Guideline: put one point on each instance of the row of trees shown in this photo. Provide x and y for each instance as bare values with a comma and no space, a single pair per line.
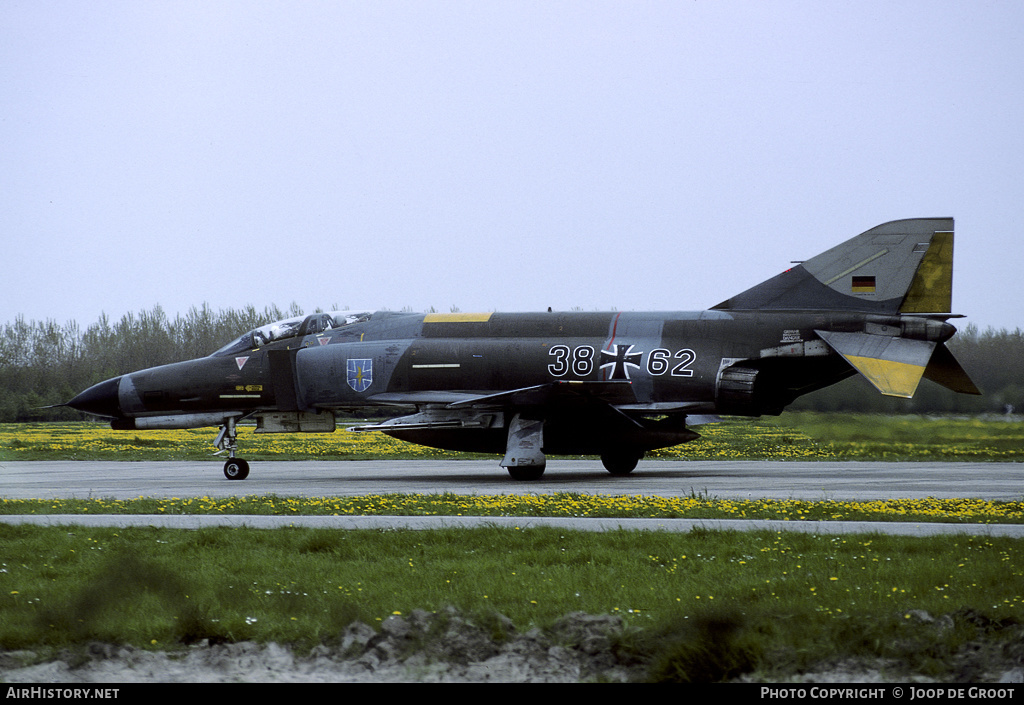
45,363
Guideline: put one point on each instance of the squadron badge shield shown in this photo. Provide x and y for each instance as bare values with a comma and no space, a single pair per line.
360,374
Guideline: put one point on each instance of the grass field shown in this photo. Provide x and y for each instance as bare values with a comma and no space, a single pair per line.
790,600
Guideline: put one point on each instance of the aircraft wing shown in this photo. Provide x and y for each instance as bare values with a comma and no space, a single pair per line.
615,392
468,410
423,397
563,392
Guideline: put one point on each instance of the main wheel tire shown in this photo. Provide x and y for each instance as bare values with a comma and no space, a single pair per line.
526,472
236,469
621,463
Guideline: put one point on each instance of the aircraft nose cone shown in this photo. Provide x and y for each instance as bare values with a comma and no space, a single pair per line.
99,399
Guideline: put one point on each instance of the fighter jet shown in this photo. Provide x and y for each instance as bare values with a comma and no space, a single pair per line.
615,384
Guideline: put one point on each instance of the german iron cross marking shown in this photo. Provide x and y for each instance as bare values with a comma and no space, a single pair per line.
620,360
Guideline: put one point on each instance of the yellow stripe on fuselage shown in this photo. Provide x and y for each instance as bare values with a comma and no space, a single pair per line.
457,317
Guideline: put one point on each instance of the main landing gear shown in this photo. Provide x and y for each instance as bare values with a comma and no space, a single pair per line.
618,463
525,460
621,462
234,468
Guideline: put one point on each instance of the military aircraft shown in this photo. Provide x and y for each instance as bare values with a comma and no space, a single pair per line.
615,384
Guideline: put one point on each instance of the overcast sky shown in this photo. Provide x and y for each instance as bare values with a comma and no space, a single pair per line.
495,155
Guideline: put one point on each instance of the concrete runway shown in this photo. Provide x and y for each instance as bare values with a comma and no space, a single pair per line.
716,479
737,480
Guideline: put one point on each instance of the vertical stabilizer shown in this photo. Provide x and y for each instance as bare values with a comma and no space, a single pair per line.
904,266
902,270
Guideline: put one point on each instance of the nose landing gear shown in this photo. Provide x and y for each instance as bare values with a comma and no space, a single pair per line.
234,468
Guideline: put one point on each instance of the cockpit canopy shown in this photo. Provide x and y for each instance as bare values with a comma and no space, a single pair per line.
293,328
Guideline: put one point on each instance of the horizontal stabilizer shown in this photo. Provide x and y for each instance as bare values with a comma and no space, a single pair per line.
945,370
893,365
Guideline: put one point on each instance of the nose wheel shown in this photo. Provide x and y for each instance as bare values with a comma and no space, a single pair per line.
234,468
